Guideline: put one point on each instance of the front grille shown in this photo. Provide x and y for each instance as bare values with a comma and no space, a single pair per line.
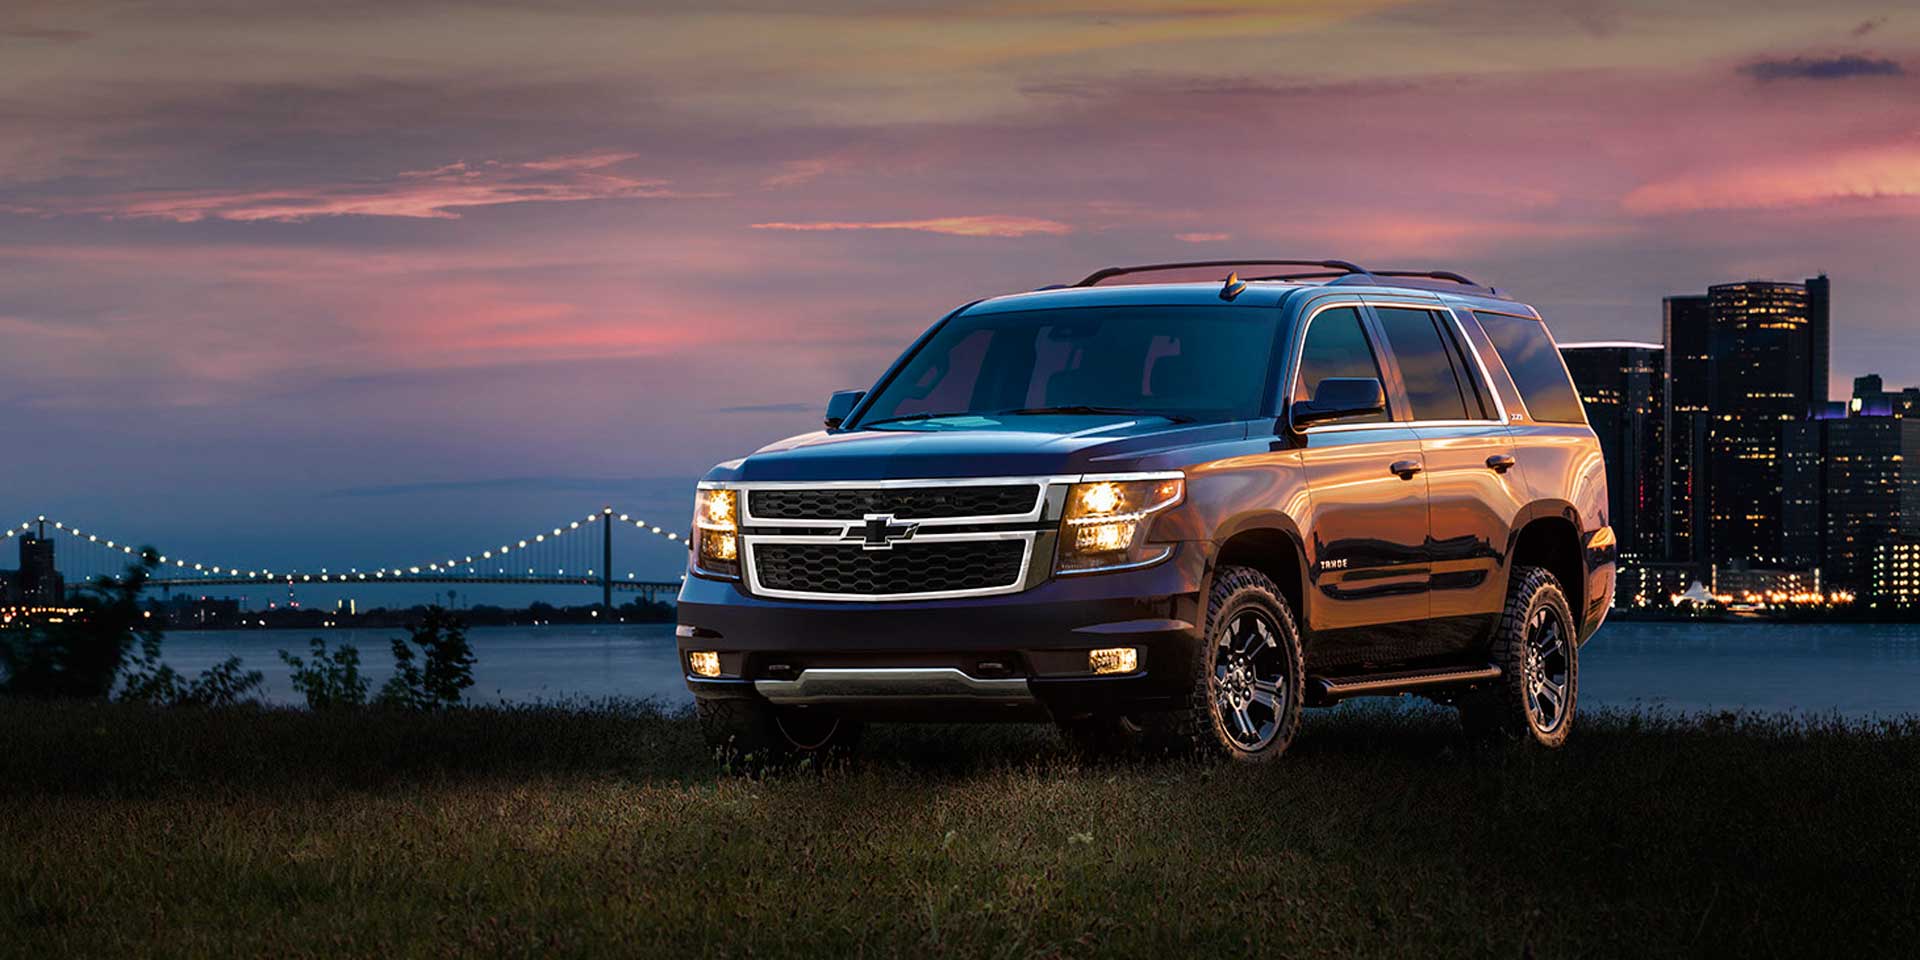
832,568
905,503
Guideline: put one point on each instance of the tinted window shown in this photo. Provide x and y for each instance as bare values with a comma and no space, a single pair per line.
1336,346
1527,350
1187,362
1479,402
1426,370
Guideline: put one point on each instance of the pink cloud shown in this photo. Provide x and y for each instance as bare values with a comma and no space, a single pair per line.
972,226
437,194
797,172
1202,237
1866,174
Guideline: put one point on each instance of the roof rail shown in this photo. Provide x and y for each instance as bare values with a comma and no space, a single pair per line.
1109,273
1339,271
1446,275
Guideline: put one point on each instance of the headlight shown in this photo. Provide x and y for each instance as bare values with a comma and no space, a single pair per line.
1106,522
716,532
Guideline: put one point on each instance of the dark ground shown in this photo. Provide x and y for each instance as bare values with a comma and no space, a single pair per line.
604,829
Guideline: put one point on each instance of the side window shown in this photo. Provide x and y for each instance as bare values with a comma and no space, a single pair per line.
1527,350
1426,366
1477,392
1336,346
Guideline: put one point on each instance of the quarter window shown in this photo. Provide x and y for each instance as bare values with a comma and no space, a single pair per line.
1528,352
1336,346
1426,366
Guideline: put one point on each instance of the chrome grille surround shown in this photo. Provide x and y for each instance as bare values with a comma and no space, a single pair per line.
1036,526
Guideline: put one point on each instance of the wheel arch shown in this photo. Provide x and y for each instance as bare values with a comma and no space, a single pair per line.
1547,534
1271,544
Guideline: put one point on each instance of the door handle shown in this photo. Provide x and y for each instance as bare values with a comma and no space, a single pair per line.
1405,468
1500,463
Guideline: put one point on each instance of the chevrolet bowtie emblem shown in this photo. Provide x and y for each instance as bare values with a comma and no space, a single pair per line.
878,531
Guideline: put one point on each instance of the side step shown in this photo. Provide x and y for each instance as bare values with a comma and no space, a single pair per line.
1324,690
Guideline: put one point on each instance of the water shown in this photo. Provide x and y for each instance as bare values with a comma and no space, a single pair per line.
1857,670
513,664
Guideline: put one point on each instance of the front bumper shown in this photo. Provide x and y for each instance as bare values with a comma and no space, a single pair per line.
1012,656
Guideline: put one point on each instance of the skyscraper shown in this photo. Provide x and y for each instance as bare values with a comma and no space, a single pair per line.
1622,384
1853,485
1871,398
1686,327
1768,360
38,583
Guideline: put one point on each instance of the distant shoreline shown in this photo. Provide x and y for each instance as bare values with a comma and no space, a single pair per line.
1871,616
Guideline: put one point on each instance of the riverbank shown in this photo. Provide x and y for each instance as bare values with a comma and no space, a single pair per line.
604,830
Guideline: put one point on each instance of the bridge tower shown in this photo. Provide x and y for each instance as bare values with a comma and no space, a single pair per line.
606,558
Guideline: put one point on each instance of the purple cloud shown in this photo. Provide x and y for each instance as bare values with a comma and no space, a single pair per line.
1839,67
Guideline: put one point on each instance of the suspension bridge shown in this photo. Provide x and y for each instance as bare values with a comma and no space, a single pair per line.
576,553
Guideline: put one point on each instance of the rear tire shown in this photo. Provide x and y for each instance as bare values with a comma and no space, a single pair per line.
754,733
1537,649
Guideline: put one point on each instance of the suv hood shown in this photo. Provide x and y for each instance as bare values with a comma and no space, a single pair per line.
1024,446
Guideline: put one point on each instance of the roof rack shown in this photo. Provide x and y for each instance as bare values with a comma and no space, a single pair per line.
1109,273
1338,271
1448,276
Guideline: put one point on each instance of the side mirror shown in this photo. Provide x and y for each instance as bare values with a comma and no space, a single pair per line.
840,404
1336,398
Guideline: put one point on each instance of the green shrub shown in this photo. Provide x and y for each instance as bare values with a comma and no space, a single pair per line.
332,679
81,655
110,642
221,685
447,668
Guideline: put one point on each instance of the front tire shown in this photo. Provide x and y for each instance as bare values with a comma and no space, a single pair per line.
1249,675
1537,650
1246,684
756,733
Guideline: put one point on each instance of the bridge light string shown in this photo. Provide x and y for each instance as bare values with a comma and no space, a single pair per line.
556,558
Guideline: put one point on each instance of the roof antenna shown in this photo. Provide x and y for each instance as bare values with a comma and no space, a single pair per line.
1234,286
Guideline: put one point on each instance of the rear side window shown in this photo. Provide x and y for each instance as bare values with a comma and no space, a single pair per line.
1536,367
1426,364
1336,346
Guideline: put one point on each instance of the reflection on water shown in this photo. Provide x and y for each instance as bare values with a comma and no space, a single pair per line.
1857,669
1854,669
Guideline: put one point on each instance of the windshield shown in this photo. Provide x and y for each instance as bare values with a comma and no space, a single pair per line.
1181,363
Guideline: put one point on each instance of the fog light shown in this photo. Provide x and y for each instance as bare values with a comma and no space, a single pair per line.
704,663
1113,660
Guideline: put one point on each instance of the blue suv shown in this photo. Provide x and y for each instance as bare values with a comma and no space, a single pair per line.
1167,514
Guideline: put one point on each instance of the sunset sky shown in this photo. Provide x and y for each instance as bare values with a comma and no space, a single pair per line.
313,282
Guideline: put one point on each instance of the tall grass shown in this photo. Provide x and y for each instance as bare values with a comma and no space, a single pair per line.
596,829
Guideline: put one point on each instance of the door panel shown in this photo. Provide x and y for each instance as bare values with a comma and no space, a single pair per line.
1471,509
1366,530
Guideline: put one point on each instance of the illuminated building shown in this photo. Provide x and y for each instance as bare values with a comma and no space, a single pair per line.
37,583
1896,572
1621,384
1872,399
1744,583
1645,585
1686,327
1769,348
1852,484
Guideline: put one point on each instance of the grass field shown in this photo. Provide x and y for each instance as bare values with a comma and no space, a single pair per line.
604,830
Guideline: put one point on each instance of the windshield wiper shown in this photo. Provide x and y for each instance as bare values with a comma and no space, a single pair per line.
1082,408
918,416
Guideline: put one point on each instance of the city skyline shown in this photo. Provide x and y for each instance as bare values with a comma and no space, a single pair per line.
424,272
1725,459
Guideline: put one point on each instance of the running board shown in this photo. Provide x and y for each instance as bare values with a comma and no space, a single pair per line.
1334,689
